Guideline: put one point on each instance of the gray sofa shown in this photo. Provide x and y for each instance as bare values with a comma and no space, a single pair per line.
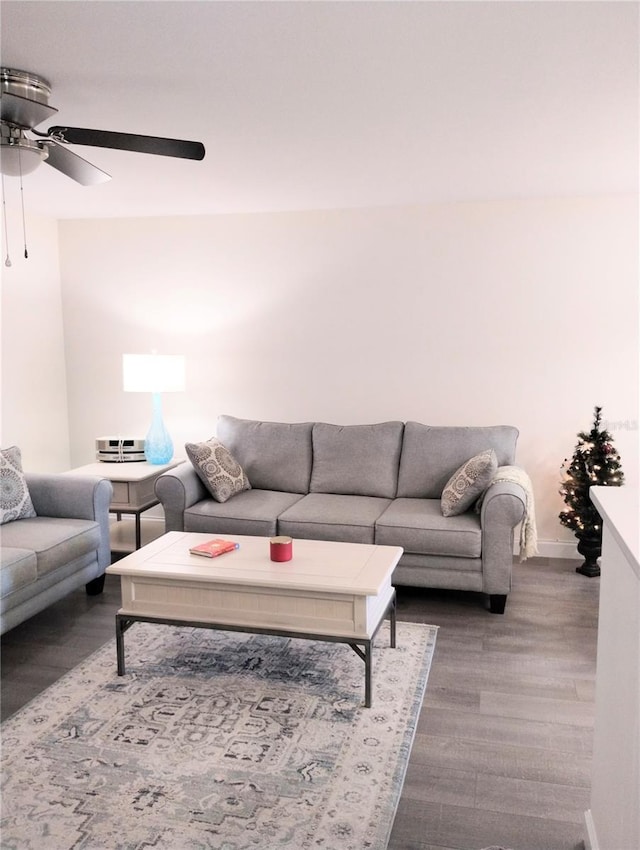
365,484
65,546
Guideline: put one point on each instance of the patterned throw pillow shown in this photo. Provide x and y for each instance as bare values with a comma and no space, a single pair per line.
15,501
219,471
468,483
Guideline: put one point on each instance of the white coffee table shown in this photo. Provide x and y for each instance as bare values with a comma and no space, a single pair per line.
339,592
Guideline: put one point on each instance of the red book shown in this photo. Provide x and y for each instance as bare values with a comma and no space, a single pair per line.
213,548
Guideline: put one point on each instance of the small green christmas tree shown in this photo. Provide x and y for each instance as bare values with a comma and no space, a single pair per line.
595,462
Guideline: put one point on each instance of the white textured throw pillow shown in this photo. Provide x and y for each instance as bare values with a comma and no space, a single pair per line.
468,483
15,501
219,471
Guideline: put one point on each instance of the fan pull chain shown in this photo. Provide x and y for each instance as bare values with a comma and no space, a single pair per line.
24,225
7,262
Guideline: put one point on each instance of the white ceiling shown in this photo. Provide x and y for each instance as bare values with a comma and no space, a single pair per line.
318,105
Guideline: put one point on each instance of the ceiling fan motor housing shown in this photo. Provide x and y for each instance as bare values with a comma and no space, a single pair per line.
24,84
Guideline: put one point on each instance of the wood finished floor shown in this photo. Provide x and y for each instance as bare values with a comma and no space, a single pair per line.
502,752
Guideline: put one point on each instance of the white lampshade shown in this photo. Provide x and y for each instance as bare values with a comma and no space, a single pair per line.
153,373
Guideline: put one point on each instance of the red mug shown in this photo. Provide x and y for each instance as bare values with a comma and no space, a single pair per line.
281,548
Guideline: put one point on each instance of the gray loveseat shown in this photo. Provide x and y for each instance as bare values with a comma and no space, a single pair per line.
364,484
65,546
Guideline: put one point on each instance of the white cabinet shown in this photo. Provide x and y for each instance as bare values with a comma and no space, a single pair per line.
613,821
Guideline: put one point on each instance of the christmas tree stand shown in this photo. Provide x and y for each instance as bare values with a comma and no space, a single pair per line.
590,548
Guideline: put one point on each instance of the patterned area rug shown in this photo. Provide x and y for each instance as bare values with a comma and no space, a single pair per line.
216,740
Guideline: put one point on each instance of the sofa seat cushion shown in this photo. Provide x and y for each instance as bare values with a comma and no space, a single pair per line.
359,460
274,455
18,569
326,516
253,512
55,541
419,527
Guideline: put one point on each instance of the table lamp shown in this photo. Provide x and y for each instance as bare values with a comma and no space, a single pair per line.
155,374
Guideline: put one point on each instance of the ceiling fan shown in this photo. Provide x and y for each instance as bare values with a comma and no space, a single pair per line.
24,104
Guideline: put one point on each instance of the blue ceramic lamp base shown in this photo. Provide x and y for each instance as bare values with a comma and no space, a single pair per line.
158,446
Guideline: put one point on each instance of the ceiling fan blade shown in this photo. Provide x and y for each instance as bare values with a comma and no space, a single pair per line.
128,142
23,111
75,166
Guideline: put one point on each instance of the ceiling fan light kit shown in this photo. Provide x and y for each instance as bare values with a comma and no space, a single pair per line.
19,155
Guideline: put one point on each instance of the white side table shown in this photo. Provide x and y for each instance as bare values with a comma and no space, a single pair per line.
133,492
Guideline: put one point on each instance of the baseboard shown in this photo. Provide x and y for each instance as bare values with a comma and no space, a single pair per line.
591,842
553,549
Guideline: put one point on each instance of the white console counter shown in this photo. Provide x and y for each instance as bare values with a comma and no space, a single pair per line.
613,821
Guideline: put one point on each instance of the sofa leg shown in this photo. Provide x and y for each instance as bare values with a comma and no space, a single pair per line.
95,586
497,601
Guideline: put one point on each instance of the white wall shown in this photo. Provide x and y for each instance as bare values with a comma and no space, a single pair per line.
521,312
34,393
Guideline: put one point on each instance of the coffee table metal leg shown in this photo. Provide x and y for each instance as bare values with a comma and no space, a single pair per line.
122,624
368,651
138,531
119,645
392,622
365,652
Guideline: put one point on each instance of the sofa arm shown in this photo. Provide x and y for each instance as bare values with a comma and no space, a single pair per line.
74,497
69,496
178,489
503,507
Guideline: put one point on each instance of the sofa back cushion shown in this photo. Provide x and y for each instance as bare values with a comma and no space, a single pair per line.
274,455
359,460
431,454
